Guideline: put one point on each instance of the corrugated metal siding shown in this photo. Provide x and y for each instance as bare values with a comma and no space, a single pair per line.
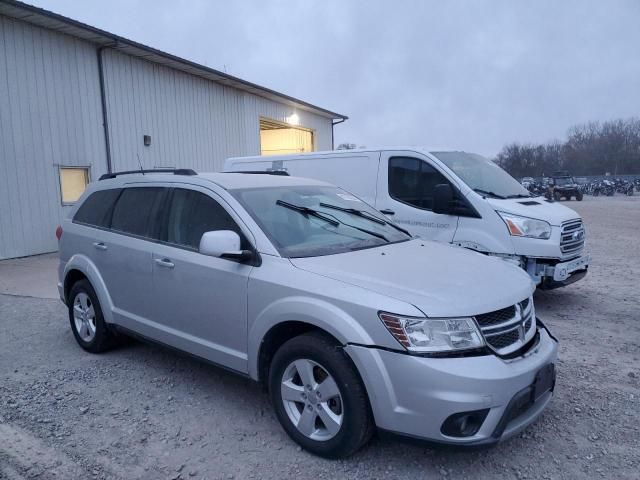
193,122
49,116
256,107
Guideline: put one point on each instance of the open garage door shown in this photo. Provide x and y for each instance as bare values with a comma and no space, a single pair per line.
277,138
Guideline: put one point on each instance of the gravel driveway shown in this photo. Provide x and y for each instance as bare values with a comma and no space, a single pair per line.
145,412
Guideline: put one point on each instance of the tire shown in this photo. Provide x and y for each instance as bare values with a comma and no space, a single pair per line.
579,196
87,321
556,196
316,355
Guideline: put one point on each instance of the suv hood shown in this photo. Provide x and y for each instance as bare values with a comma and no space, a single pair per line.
439,279
553,212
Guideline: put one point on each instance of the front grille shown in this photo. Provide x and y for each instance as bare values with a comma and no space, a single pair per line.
572,237
508,329
499,316
504,339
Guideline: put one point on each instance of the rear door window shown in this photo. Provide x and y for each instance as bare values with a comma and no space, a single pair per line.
138,211
193,213
97,208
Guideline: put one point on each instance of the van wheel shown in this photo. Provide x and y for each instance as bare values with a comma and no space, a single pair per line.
319,397
87,322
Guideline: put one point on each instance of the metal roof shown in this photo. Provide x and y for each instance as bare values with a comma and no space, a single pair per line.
53,21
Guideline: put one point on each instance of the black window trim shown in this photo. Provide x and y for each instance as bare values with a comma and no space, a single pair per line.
163,220
470,209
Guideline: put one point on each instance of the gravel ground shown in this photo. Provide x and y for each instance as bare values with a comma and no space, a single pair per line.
145,412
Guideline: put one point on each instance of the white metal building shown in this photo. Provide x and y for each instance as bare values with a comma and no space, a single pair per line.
76,102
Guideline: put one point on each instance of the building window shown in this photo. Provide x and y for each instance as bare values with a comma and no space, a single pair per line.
73,181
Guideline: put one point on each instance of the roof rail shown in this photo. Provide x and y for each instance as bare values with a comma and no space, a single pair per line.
282,173
175,171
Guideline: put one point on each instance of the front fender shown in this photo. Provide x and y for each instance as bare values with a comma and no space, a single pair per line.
312,311
83,264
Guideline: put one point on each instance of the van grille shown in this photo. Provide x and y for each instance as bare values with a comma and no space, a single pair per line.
572,237
508,329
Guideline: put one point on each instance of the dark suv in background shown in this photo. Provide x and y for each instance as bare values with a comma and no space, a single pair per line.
563,186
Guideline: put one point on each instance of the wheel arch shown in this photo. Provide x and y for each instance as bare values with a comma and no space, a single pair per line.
290,317
81,267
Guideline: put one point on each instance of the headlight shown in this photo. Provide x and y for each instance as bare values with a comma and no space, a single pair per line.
526,227
433,335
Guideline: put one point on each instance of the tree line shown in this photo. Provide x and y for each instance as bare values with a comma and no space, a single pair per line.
593,148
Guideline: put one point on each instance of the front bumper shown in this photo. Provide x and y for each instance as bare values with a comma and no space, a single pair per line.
556,274
413,395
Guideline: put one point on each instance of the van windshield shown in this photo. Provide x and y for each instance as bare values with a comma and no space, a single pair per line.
482,175
310,221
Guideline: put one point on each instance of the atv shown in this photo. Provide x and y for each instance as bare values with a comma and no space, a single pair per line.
564,186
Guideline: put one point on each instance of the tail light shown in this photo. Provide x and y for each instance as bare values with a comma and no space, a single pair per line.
59,232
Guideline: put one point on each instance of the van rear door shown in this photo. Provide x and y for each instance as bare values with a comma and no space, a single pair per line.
406,181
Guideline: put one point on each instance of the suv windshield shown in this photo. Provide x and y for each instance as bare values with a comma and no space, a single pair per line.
310,221
561,181
482,175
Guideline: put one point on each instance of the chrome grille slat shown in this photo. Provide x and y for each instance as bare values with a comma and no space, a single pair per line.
569,244
503,329
501,332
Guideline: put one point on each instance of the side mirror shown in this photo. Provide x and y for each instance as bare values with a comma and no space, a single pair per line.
442,198
223,244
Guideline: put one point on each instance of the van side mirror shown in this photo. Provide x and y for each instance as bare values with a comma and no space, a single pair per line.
223,244
442,198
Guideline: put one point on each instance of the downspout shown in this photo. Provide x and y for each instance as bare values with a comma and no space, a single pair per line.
333,124
103,100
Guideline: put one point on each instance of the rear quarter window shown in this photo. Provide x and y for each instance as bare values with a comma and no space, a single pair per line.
97,208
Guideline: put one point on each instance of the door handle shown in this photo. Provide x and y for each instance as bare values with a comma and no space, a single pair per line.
164,262
99,246
386,211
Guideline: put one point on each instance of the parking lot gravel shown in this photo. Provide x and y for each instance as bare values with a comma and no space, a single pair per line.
142,411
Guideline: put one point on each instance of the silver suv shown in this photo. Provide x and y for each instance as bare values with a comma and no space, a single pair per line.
350,322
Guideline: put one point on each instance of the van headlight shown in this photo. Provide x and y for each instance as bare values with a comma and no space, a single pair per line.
431,335
526,227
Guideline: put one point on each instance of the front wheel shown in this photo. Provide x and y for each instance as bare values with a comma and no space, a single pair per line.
556,196
579,196
319,397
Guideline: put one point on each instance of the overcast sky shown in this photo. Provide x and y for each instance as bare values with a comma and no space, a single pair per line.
468,75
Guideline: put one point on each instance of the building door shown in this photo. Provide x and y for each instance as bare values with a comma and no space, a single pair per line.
277,138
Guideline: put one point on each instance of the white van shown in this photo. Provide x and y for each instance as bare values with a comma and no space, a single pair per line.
455,197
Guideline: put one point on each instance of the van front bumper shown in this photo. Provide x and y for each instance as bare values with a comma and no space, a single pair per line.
549,274
414,395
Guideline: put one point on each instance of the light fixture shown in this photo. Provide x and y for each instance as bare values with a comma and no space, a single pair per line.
293,119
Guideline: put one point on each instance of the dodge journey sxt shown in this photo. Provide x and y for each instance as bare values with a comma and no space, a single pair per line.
350,322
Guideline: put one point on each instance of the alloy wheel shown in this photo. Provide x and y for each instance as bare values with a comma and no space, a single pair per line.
312,399
84,317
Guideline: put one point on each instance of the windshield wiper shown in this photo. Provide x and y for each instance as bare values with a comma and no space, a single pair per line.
370,232
518,195
331,221
363,214
355,211
307,211
485,192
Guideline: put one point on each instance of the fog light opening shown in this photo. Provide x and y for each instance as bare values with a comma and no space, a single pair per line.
464,424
